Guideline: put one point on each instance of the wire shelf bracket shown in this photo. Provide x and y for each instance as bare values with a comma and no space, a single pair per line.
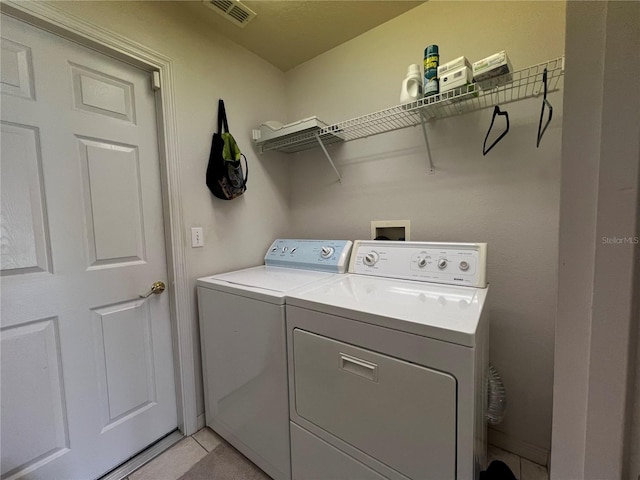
432,170
324,149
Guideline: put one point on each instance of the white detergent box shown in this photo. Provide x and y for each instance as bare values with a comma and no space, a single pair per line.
492,66
453,65
455,78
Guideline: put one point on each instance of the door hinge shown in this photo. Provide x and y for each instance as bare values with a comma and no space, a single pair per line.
155,80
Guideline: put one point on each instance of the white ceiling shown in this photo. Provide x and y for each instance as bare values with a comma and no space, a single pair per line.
287,33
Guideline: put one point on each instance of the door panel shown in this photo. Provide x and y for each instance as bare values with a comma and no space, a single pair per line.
31,362
25,245
112,201
17,73
87,365
100,93
124,357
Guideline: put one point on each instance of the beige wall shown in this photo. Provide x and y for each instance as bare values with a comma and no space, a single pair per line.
208,67
508,198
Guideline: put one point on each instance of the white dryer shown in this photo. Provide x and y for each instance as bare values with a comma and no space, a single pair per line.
243,343
387,365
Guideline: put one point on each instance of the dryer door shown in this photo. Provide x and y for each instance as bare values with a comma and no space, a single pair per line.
402,414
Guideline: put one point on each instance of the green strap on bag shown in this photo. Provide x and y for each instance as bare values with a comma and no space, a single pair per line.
230,151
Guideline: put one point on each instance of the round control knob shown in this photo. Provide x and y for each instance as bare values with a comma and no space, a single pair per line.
422,262
326,252
284,249
464,266
370,259
442,263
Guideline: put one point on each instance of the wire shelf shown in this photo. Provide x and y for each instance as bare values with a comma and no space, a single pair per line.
519,85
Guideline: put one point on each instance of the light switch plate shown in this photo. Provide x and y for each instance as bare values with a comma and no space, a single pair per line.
197,237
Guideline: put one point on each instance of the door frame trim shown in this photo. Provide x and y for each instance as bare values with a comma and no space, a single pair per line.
50,18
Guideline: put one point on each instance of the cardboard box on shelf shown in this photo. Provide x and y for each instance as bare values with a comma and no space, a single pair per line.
455,79
454,64
492,66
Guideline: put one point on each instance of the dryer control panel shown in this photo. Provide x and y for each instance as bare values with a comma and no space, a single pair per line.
449,263
320,255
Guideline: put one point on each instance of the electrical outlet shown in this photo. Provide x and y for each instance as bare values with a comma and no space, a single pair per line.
197,237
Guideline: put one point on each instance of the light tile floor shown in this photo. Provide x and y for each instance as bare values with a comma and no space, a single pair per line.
176,461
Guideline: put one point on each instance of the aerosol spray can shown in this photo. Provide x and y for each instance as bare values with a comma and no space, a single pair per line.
431,61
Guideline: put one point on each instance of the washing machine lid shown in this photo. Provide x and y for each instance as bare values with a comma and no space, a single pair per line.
263,282
445,312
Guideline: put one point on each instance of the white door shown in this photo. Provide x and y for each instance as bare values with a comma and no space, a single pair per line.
87,366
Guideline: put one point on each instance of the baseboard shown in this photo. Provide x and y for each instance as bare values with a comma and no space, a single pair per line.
526,450
200,421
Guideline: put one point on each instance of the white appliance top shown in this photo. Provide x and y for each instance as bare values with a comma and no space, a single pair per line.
450,263
391,289
322,255
274,280
290,264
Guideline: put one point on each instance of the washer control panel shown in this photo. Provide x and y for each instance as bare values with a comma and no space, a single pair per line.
322,255
450,263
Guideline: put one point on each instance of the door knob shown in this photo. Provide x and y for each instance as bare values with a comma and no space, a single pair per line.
157,288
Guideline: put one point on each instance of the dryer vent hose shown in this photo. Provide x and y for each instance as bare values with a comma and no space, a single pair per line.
497,397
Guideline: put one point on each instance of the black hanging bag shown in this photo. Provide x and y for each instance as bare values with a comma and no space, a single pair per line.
225,176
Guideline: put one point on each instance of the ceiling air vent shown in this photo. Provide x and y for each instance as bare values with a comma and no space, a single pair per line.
232,10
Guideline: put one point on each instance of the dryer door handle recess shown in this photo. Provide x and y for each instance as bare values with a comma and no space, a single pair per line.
359,367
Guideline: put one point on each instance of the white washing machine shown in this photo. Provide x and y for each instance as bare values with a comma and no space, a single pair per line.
243,339
387,365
